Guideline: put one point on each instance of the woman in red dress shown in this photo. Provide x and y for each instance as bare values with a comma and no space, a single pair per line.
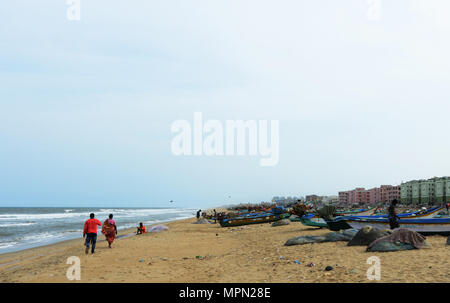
109,229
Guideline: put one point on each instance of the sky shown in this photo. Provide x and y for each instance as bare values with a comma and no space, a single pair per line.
86,107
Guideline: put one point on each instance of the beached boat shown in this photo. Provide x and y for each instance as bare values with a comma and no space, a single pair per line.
340,223
316,221
255,218
310,220
423,226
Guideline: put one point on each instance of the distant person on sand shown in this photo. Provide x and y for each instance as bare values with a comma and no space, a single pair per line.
90,232
215,216
109,229
392,216
140,229
198,214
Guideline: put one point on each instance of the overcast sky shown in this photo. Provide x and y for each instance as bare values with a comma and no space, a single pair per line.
86,107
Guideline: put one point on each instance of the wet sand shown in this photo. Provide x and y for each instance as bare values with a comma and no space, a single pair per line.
252,253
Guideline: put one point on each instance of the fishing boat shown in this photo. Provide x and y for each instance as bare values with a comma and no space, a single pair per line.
316,221
343,222
423,226
275,214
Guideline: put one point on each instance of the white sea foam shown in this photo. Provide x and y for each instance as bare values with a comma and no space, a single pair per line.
16,224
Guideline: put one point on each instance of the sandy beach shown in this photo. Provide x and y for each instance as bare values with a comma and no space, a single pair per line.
252,253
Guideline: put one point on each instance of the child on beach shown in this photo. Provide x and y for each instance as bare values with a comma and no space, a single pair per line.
140,229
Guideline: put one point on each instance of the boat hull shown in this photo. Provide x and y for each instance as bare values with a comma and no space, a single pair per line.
314,221
423,226
340,222
252,220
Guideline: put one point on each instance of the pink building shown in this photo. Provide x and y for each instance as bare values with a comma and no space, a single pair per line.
383,194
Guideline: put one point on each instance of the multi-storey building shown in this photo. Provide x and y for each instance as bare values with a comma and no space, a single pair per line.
383,194
431,191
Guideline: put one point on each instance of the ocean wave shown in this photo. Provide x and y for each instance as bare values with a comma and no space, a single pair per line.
4,245
17,224
41,216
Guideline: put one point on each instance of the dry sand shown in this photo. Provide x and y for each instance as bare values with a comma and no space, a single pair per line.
239,254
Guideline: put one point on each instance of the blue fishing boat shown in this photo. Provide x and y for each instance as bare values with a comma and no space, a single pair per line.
423,226
339,223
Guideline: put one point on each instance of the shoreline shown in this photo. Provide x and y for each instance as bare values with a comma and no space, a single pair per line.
204,253
121,235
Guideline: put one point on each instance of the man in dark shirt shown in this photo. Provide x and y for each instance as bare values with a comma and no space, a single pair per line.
392,216
198,214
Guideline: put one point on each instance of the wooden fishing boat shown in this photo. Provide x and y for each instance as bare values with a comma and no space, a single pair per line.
343,222
316,221
255,219
310,220
423,226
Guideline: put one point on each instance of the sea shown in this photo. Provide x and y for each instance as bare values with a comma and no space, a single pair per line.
27,227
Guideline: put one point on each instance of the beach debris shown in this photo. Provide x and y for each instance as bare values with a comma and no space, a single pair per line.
141,260
328,268
281,258
366,235
298,262
448,240
157,228
400,239
164,259
281,222
311,264
353,271
338,236
198,257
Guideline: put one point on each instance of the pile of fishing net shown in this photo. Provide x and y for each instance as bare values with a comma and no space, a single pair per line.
157,228
202,221
345,235
281,222
327,212
400,239
367,235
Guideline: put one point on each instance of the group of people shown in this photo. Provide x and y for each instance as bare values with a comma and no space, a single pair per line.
109,229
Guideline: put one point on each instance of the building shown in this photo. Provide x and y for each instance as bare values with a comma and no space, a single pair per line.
312,198
361,196
432,191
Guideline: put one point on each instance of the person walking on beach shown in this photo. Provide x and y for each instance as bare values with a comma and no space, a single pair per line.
215,216
392,216
90,232
109,229
198,214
